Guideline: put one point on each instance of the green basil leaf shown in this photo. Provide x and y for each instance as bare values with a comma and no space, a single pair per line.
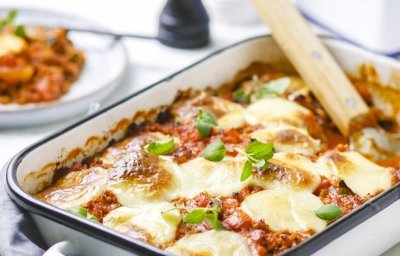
12,15
161,147
262,94
203,128
170,217
241,96
208,117
279,85
80,211
9,19
20,31
273,88
215,151
259,150
195,217
204,122
92,217
212,218
329,212
247,171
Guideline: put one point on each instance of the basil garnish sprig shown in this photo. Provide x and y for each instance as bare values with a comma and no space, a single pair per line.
329,212
80,211
272,88
162,147
204,122
10,20
261,90
241,95
200,214
257,154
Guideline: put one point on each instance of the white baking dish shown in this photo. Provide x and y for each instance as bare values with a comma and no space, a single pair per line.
352,235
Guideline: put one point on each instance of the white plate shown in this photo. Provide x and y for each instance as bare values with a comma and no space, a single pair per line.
105,66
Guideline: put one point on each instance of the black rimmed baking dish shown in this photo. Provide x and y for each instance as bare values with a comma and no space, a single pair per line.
369,230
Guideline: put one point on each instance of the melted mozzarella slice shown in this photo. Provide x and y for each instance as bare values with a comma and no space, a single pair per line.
76,188
228,114
362,176
130,145
216,178
291,171
138,177
216,243
285,209
146,222
144,178
376,144
234,114
274,111
297,87
288,139
232,120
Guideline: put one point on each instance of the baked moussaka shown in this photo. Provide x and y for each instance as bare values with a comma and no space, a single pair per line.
252,168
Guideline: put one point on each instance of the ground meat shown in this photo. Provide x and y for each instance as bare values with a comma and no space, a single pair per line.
102,205
264,241
342,197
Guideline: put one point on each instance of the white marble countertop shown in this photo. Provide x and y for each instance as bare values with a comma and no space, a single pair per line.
149,61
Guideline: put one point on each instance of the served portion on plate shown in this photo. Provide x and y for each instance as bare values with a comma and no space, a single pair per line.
252,168
49,73
37,64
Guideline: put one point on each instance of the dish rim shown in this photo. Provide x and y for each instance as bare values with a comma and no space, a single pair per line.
105,234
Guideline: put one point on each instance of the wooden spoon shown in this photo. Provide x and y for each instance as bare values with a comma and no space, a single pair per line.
328,82
315,64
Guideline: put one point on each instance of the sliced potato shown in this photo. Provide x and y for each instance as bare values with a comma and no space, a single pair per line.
10,43
19,74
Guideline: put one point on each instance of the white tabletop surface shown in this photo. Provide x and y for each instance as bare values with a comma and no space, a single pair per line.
149,61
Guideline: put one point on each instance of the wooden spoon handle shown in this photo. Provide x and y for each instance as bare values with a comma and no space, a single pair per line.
313,62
